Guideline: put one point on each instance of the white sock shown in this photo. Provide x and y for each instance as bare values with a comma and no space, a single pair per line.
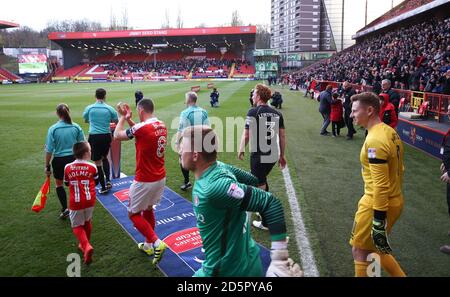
279,245
157,243
147,246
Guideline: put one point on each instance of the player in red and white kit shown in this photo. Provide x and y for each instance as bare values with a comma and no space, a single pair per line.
147,189
81,178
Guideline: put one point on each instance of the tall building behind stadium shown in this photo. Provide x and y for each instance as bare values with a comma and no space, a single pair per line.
313,29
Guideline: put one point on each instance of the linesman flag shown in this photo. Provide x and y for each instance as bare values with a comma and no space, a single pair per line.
41,197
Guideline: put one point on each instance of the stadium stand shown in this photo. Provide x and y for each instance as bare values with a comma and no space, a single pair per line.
172,54
206,65
413,57
8,75
74,71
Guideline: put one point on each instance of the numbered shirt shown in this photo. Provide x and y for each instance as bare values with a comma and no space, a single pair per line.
80,176
151,141
382,166
264,124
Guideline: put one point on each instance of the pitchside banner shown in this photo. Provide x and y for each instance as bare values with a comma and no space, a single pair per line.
426,139
175,225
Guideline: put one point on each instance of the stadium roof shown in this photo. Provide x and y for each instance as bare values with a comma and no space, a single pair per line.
145,39
7,25
152,33
405,10
401,8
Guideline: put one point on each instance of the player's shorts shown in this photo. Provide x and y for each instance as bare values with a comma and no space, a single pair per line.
100,145
79,217
58,165
143,195
259,169
362,227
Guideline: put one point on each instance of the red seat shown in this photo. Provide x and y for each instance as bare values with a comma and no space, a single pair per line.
401,105
424,107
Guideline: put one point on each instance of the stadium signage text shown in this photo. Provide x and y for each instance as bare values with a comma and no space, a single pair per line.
184,240
149,33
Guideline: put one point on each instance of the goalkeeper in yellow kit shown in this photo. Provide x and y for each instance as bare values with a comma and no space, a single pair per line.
382,171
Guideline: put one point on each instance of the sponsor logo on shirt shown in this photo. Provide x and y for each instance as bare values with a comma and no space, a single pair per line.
372,153
196,200
235,191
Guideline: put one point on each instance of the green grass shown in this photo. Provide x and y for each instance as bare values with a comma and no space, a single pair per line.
40,242
325,172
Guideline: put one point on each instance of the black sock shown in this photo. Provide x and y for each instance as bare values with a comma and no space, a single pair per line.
101,176
106,169
61,193
185,174
263,221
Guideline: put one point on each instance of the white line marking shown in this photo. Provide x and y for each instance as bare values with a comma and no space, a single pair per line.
301,235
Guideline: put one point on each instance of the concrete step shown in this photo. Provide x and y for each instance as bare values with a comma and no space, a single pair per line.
411,115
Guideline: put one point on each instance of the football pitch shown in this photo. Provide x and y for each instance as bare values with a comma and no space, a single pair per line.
325,172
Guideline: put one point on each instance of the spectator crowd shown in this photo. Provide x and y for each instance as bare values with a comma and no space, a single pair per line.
414,58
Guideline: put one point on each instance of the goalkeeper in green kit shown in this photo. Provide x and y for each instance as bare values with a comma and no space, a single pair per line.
221,197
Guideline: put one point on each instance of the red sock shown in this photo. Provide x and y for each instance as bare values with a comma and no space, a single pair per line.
144,228
88,229
81,236
149,216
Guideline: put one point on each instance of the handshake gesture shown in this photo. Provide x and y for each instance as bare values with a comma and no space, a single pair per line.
282,266
124,110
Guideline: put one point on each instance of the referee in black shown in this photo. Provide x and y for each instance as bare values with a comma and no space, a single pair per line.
264,128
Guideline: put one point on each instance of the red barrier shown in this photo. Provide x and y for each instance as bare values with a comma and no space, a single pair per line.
437,105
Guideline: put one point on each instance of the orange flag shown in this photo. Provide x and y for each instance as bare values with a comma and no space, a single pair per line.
41,197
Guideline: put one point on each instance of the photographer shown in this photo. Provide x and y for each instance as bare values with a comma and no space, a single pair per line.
214,98
277,100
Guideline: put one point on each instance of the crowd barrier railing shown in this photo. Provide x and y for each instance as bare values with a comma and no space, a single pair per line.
436,104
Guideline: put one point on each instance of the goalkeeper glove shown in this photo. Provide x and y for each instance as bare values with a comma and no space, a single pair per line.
282,266
379,234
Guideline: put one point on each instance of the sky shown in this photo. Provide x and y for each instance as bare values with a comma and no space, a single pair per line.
142,14
151,14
